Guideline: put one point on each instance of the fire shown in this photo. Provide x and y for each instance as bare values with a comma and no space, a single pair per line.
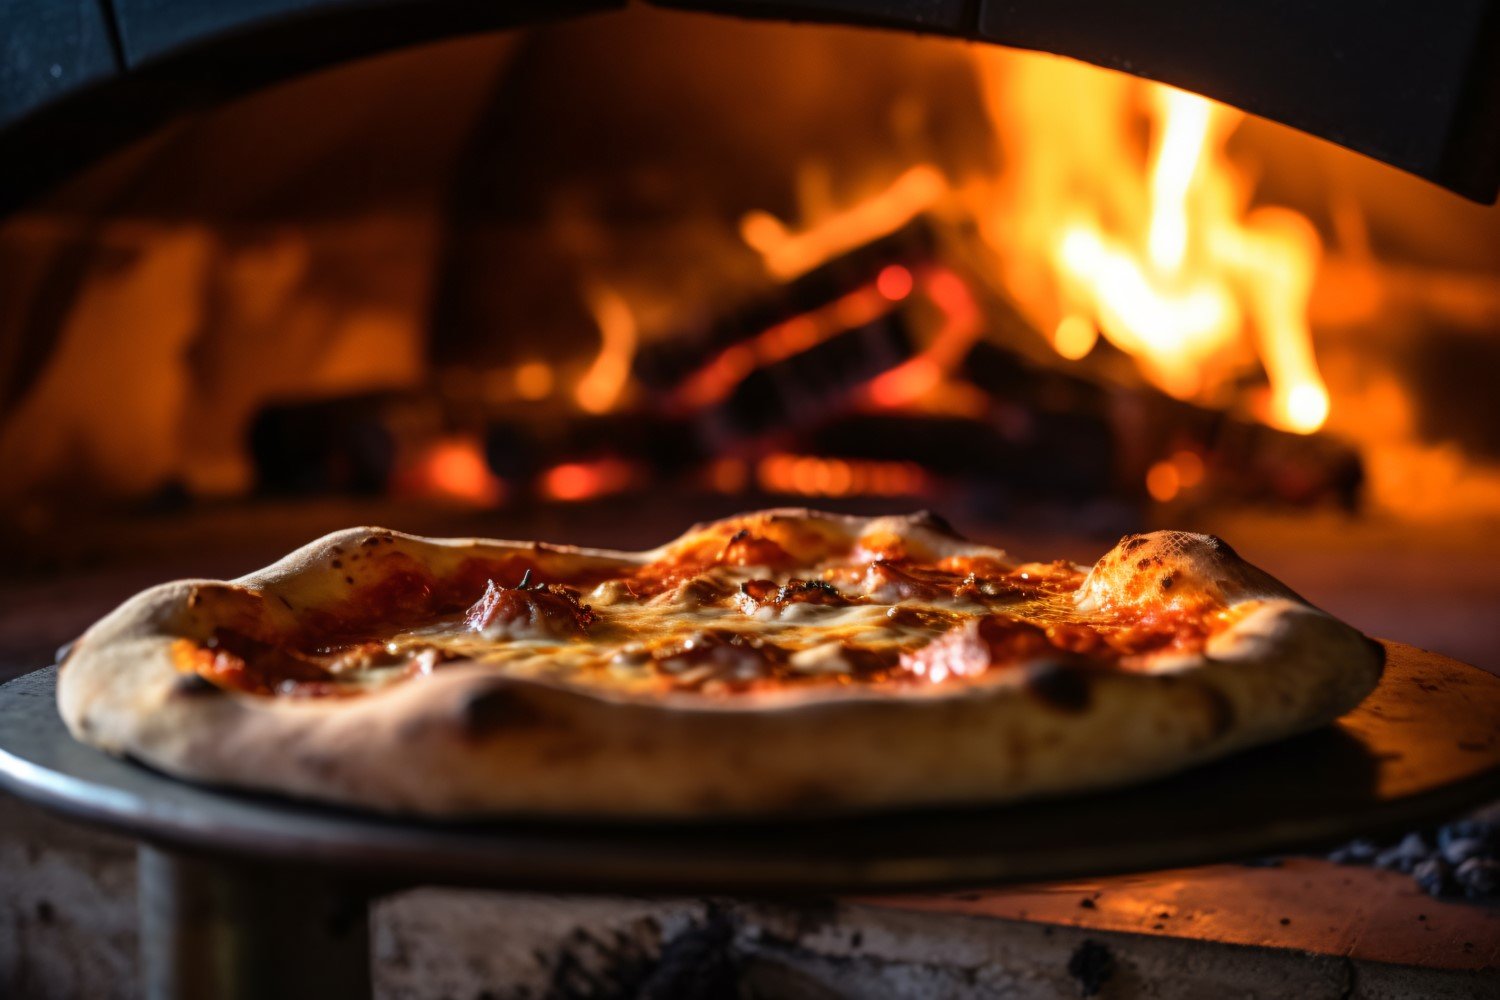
1173,476
602,384
717,379
810,475
585,480
1158,254
909,382
451,469
533,380
788,254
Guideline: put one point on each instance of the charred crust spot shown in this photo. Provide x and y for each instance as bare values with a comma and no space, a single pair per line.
1167,581
284,601
349,580
1062,686
337,564
389,540
193,686
497,709
367,542
194,598
337,550
1143,564
1132,542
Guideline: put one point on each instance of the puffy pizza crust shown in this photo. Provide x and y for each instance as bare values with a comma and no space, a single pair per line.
465,742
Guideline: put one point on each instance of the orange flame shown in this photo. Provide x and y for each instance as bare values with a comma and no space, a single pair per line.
602,384
1162,258
788,254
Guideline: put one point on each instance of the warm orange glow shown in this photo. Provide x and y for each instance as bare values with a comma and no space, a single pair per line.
715,380
1170,478
916,378
1159,255
585,480
1163,482
894,282
788,254
533,380
809,475
601,385
451,469
1075,337
1189,466
728,475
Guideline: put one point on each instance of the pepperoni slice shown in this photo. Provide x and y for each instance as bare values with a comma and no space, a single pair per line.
529,611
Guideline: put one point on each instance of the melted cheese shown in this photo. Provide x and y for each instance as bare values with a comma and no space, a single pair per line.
730,609
709,634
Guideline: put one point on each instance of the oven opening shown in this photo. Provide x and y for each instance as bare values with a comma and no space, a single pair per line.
656,254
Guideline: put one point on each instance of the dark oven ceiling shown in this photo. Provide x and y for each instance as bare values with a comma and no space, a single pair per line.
1410,83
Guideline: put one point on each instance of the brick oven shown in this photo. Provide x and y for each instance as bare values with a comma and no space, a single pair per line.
589,271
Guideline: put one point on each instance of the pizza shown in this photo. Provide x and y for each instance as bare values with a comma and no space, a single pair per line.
778,662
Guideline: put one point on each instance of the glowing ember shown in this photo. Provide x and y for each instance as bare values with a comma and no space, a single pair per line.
894,282
715,380
586,480
1171,477
911,381
451,469
533,380
809,475
1163,482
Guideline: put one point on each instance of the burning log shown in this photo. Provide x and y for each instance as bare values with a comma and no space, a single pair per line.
1170,449
1039,455
667,362
809,386
520,450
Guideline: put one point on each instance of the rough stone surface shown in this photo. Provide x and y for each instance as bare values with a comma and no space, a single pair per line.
67,909
67,929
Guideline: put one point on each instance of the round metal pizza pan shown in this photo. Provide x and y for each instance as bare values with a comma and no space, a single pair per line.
1424,746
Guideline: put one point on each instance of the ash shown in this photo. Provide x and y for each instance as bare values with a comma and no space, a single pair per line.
1459,860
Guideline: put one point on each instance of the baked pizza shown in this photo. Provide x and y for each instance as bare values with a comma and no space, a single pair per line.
776,662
